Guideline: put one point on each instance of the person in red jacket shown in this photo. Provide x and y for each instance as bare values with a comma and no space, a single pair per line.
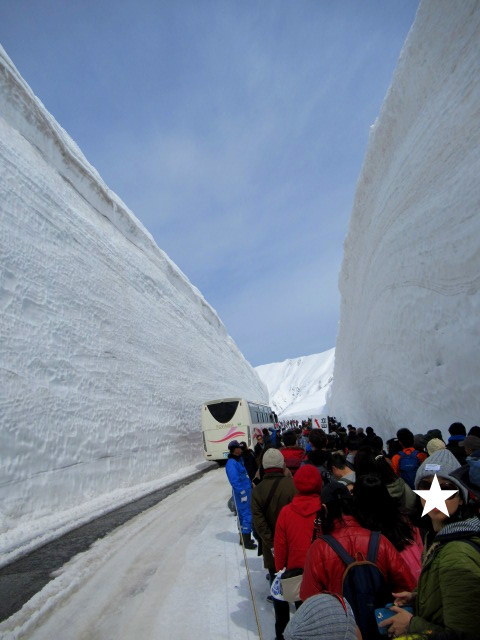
293,454
294,527
323,569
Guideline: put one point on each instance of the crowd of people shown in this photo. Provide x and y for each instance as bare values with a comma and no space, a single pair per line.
338,521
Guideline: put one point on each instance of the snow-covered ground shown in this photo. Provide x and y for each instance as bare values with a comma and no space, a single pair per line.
408,348
175,571
298,387
106,349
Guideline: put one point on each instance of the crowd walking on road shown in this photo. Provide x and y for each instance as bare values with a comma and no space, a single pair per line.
363,539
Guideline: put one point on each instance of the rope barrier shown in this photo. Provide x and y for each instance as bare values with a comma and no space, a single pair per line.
249,578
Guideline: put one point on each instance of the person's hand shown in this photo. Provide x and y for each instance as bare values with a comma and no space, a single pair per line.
398,624
403,598
271,549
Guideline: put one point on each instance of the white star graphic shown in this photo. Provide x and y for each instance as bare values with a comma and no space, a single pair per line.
435,497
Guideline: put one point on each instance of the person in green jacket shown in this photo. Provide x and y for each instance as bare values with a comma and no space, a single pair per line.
268,498
448,592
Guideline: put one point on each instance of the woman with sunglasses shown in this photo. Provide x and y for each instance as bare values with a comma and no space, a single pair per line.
448,592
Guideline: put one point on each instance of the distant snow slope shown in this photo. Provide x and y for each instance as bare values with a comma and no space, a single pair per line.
408,349
298,387
106,349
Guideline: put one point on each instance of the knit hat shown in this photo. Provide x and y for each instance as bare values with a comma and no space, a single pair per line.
308,479
272,458
435,444
322,617
442,463
233,445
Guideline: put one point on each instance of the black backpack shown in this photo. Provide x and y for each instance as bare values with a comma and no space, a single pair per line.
363,584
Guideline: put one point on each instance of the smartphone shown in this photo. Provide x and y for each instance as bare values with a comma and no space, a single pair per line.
384,613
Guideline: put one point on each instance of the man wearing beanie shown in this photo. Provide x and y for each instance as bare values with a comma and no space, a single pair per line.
268,498
323,617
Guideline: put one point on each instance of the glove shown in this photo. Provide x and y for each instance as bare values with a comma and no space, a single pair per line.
244,499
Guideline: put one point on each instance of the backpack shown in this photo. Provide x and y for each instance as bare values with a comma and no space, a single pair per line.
408,466
363,584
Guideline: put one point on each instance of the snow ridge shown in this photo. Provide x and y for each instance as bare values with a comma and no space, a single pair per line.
298,387
407,352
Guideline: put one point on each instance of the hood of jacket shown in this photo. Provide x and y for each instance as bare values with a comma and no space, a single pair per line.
397,488
308,480
306,505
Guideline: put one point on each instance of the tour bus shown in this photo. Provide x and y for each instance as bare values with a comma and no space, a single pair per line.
230,419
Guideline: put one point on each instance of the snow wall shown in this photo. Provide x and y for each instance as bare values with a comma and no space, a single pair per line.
408,348
106,349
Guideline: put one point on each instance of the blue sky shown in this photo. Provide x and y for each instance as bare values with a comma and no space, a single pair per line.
234,130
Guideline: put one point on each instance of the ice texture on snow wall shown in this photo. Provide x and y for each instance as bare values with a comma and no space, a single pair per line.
107,350
408,348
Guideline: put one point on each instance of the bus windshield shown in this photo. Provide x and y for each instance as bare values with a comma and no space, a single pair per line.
223,411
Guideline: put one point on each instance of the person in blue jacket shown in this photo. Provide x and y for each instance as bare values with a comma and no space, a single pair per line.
242,491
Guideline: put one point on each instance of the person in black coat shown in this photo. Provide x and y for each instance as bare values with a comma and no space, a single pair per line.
249,460
458,433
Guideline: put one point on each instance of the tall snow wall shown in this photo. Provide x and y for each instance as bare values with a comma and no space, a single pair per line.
408,348
106,349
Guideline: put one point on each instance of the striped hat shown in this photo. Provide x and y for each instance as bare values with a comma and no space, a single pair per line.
322,617
442,463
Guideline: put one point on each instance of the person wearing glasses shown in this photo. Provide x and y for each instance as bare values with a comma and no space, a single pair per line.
448,592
